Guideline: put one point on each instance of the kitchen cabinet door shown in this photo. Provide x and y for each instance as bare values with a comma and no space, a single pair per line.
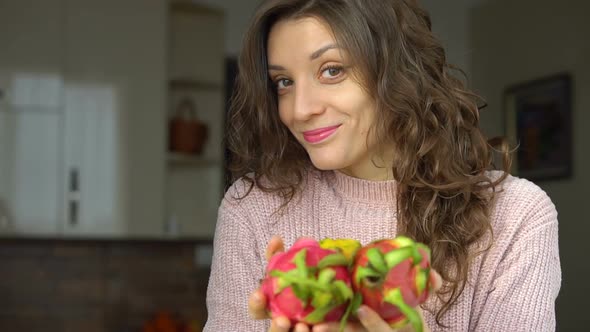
31,182
82,117
115,82
31,117
93,201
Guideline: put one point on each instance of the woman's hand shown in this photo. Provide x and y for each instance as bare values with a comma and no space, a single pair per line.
257,301
369,320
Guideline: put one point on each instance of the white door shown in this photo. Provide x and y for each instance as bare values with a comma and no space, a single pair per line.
114,117
91,161
31,89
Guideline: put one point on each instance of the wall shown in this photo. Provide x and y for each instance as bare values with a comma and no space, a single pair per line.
449,22
238,14
516,41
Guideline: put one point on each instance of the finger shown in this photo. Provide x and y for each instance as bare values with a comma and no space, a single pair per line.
435,280
335,327
371,320
257,305
301,327
274,246
280,324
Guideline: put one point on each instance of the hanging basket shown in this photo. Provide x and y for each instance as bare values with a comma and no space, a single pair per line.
188,134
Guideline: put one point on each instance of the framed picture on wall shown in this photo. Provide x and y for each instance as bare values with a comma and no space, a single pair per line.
538,119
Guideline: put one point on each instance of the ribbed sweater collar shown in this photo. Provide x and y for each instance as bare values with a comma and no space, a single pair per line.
363,190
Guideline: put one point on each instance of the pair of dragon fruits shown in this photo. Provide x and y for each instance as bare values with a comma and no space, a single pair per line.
325,281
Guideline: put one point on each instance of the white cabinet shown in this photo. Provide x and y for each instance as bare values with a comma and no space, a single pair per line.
115,101
31,117
82,117
30,171
87,88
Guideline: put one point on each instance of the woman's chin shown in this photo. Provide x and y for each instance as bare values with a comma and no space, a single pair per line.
326,164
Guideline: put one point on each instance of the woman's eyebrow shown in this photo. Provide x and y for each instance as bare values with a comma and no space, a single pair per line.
275,67
313,56
322,50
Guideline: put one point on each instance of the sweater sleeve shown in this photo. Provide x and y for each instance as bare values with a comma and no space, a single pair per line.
235,271
526,283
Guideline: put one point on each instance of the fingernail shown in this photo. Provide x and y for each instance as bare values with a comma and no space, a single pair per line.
283,324
320,328
361,313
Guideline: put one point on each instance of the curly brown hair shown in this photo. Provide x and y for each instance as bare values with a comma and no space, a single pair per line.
441,155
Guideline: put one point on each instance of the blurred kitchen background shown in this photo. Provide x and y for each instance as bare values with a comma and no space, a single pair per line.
112,156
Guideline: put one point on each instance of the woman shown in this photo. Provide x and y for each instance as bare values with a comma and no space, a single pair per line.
347,123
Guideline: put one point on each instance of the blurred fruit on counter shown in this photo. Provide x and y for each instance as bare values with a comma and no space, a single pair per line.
165,321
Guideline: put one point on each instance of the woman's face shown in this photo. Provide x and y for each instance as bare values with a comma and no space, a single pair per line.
320,101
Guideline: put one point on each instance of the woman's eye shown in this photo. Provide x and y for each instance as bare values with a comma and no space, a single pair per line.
331,72
283,83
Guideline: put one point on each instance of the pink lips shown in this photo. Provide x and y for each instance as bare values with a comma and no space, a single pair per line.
320,134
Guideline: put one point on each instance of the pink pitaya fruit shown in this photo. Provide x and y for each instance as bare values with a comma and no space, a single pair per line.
393,276
308,284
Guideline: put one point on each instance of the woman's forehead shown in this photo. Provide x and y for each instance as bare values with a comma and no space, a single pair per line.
306,38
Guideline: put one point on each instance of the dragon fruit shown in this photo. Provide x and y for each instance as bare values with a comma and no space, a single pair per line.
393,277
347,247
308,284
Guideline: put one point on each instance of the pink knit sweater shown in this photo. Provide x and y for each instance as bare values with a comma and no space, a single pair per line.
512,287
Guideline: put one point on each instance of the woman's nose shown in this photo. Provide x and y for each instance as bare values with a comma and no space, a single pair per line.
308,102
